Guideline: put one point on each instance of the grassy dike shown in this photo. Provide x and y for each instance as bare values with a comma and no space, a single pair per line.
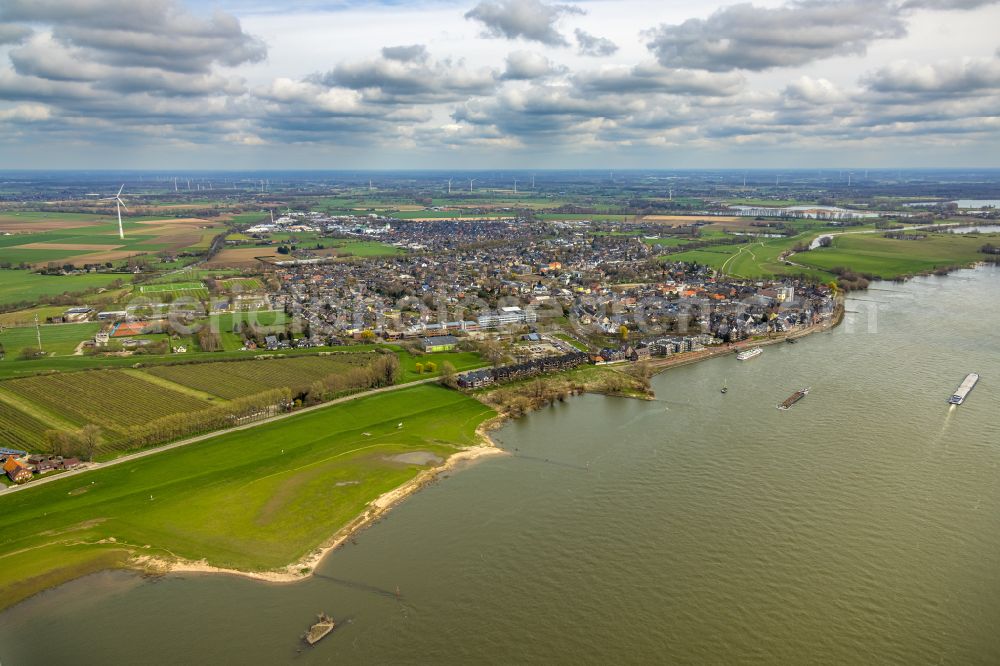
260,500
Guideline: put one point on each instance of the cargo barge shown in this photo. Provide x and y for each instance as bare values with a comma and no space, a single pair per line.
323,626
794,398
963,390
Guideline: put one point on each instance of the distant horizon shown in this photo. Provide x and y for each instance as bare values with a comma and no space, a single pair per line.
449,84
855,170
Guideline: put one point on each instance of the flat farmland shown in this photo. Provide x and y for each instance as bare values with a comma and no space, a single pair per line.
97,241
17,286
20,430
111,399
360,249
33,222
241,257
26,317
236,379
681,220
241,284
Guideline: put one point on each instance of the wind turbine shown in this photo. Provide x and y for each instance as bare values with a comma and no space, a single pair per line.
449,186
515,186
119,204
471,181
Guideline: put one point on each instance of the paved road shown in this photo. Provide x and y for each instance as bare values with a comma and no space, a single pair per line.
215,433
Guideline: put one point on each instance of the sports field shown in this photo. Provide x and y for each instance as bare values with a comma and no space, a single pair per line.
56,338
175,290
253,500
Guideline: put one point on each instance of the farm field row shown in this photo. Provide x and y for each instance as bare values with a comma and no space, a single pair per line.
111,399
253,500
20,430
98,240
235,379
119,396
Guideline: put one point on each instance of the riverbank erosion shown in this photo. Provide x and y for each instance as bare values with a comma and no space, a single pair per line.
268,502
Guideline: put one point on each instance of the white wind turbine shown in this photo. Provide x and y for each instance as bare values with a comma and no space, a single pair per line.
119,204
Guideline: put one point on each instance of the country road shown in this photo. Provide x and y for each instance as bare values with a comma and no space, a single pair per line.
215,433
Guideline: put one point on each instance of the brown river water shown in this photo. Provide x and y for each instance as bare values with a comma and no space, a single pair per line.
860,526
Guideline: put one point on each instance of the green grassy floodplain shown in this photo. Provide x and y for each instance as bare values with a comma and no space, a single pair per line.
252,500
890,258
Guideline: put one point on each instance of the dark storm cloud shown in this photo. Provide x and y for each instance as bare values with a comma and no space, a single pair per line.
528,19
592,45
747,37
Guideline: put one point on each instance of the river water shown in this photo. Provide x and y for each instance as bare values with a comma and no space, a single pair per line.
860,526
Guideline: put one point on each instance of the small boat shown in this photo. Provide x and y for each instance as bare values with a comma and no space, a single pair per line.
323,626
725,387
749,354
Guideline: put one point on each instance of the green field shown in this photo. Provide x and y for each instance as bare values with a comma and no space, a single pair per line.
755,259
25,286
241,285
889,258
579,346
235,379
50,364
72,217
56,338
253,500
461,361
27,316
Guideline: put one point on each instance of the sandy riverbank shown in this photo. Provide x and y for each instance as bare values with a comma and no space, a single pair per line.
377,508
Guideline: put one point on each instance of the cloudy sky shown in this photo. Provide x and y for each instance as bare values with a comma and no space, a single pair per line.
498,83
